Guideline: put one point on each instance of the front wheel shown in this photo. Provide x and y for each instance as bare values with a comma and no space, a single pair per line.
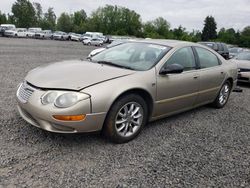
223,96
126,118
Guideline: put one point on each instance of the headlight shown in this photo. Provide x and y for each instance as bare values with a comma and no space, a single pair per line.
66,100
49,97
63,99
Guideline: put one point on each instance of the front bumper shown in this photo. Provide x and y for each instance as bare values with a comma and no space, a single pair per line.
41,116
244,77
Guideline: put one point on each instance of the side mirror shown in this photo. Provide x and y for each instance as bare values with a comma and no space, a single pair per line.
172,69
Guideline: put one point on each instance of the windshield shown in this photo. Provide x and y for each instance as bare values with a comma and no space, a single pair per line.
243,56
137,56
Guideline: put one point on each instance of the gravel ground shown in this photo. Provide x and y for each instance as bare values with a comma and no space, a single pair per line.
204,147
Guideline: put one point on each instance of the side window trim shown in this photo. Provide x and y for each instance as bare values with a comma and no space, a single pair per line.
198,59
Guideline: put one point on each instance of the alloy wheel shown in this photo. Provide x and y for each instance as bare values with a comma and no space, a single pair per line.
129,119
224,94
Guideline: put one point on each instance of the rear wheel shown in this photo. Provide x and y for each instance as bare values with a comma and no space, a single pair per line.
126,119
223,96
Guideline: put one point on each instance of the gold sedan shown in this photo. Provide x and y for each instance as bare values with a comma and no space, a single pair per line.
122,88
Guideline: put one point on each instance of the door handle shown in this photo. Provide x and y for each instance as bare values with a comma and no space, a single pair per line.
222,72
196,76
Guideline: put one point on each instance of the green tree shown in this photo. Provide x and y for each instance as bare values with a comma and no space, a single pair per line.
158,28
161,26
149,30
64,23
115,20
180,33
79,21
195,36
10,19
227,36
49,20
245,37
3,18
246,31
39,13
209,30
24,14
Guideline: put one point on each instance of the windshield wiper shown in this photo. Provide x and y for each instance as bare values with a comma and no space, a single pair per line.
115,65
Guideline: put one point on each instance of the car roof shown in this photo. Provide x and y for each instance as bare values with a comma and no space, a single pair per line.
170,43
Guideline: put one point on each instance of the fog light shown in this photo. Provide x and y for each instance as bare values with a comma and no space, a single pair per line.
70,118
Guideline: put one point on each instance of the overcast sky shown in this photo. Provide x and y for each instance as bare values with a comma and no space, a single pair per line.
188,13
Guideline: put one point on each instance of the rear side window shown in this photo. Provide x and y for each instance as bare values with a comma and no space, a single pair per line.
207,59
184,57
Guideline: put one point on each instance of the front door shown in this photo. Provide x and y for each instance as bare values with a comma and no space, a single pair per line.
178,92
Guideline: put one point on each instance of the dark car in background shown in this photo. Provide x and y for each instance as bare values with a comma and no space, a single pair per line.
219,47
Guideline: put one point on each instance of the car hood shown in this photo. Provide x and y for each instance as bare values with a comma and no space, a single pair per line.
242,63
73,75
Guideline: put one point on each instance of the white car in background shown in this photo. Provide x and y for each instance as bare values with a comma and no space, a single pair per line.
5,27
93,41
45,34
59,35
21,32
75,37
32,31
10,33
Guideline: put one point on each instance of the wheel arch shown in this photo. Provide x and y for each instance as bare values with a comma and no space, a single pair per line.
230,79
146,96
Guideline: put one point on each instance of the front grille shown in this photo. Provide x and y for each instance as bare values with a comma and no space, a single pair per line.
243,79
24,92
244,70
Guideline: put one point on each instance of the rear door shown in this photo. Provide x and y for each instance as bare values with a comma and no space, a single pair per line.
211,75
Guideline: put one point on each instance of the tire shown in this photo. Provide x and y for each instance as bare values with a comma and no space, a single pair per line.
223,95
125,119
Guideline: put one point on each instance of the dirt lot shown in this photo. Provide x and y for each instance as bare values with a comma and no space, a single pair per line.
204,147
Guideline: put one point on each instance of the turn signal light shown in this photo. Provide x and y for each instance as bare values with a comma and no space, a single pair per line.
70,118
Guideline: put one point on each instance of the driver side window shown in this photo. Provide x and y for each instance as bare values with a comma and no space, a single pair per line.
184,57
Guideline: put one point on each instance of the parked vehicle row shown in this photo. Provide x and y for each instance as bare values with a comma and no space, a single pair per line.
89,38
219,47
